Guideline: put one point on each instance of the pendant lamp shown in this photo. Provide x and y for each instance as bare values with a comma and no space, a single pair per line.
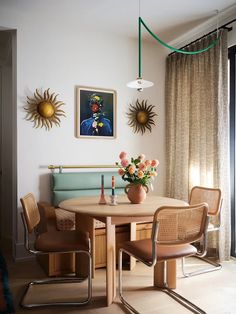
140,83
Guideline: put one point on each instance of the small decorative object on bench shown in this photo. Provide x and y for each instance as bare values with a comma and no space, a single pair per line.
138,172
65,220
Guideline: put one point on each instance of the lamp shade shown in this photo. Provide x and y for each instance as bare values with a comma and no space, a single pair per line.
139,84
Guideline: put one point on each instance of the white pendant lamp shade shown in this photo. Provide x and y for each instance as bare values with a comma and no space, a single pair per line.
139,84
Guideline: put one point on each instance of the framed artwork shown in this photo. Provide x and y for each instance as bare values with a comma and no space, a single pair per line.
96,112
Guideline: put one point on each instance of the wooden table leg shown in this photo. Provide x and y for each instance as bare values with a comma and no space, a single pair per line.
132,238
111,261
86,224
171,274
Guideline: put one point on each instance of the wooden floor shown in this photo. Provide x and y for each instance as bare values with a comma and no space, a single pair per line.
214,292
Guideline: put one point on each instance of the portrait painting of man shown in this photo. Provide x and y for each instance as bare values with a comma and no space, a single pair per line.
96,112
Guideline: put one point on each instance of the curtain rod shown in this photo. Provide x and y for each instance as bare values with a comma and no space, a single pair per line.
81,166
52,167
221,27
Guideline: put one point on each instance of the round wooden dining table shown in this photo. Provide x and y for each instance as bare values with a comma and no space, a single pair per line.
87,208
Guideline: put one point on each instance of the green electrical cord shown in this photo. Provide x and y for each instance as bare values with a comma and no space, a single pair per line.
140,23
175,49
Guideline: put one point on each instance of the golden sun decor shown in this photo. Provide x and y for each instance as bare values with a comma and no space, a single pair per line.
141,116
44,110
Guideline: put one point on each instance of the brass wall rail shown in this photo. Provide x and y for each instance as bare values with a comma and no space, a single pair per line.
61,167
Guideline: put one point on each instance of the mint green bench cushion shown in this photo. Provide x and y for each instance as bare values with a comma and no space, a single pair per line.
74,184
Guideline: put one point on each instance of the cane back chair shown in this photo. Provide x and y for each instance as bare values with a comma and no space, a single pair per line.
211,196
174,229
54,242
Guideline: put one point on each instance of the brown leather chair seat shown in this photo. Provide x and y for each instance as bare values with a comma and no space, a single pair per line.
143,249
55,241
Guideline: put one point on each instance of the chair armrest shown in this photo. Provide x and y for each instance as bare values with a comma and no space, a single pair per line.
47,217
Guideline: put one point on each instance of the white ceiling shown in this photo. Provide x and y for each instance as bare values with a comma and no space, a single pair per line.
168,19
163,17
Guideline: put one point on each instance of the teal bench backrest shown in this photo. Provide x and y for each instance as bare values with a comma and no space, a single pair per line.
74,184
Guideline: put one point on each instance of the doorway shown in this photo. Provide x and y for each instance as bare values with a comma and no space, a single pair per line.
8,142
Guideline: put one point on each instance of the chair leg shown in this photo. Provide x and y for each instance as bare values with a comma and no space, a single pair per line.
185,302
62,280
177,297
130,307
216,266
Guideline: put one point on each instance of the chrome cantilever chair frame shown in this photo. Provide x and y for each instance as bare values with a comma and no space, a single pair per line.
179,298
71,279
202,256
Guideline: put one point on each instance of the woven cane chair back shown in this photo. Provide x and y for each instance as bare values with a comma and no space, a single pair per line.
180,225
30,211
211,196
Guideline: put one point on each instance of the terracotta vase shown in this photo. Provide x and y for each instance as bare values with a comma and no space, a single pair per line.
136,193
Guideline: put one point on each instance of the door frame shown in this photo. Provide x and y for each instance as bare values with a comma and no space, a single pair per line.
9,171
232,94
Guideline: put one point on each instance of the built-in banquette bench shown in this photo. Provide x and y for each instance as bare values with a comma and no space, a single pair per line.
65,185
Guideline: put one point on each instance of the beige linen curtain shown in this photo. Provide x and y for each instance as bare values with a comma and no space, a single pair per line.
197,126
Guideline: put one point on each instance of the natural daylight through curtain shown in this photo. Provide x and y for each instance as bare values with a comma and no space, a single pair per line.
197,126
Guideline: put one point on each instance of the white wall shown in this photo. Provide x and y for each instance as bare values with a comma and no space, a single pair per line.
54,50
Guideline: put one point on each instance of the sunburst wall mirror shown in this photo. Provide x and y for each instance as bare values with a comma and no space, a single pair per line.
44,110
141,116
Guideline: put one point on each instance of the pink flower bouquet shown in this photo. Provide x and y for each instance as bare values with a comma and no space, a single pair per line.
137,170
